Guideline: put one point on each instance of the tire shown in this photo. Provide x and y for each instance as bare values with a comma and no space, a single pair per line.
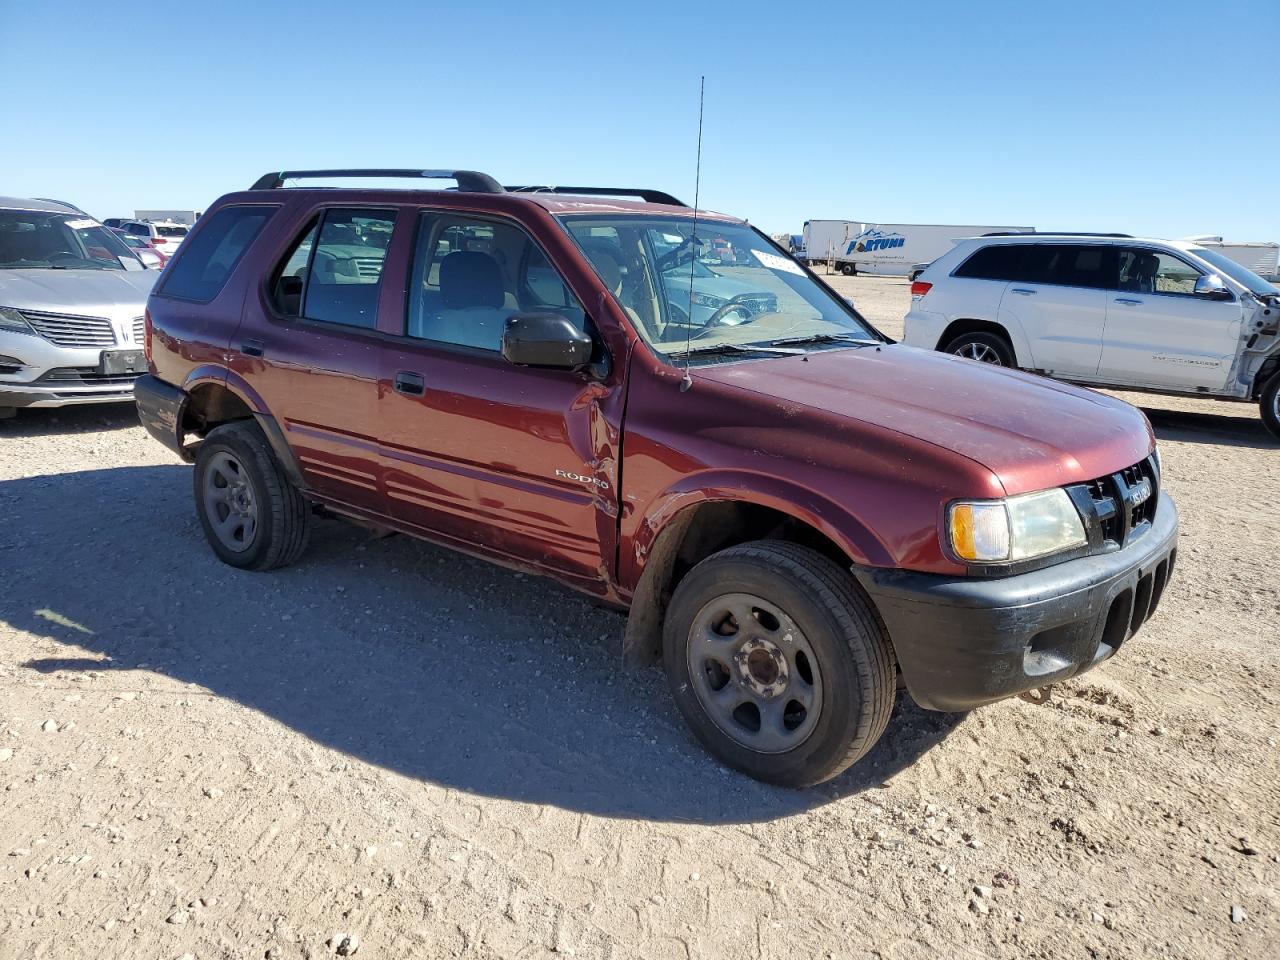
238,455
848,269
1269,404
813,610
983,347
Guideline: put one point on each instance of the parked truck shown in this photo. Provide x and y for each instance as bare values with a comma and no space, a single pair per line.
185,217
1261,258
823,240
896,249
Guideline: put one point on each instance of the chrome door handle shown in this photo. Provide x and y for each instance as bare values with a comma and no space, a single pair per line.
1022,291
1127,300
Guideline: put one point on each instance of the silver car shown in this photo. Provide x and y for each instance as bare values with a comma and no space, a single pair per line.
72,300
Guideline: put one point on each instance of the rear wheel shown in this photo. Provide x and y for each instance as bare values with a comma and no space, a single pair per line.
983,347
778,663
848,269
1269,404
252,516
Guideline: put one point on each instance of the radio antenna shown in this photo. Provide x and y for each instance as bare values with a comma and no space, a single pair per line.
687,382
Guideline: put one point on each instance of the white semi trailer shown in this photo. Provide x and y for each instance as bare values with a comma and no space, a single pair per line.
896,249
1262,258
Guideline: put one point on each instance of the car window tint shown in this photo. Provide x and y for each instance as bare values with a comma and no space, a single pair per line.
207,260
1146,271
1069,265
343,279
996,262
469,276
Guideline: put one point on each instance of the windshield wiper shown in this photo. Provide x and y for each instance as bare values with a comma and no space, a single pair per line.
827,338
713,348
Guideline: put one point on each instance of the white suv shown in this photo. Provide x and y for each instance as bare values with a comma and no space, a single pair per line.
1106,310
164,235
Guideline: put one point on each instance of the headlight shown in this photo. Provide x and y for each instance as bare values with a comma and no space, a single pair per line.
1016,528
706,300
11,321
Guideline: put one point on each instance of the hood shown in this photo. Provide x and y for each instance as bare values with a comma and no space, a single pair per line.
116,294
1030,432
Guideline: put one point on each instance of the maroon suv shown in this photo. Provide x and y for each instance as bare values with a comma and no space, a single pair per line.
795,510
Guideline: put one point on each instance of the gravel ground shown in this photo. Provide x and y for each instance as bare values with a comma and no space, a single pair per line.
395,749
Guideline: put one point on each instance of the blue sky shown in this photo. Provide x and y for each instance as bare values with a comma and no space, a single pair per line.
1152,118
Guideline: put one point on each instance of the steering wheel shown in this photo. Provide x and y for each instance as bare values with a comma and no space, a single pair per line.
719,319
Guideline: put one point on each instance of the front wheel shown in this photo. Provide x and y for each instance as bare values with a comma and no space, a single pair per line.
252,516
983,347
780,666
1270,405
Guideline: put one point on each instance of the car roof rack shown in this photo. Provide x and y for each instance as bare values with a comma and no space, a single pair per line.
1056,233
469,181
645,194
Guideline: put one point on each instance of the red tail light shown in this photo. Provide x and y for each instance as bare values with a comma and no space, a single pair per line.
919,288
146,337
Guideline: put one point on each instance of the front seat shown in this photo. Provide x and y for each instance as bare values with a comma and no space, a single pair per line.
473,298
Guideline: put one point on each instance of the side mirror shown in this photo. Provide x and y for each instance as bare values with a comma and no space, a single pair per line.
1210,285
545,340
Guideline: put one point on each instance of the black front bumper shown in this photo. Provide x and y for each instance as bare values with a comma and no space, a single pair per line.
965,641
160,408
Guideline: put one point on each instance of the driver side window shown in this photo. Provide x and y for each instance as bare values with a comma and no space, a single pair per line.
469,276
1146,271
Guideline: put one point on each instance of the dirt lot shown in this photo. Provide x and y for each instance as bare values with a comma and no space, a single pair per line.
441,759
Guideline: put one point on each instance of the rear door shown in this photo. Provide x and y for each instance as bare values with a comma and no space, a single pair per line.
1058,299
1160,333
517,462
310,347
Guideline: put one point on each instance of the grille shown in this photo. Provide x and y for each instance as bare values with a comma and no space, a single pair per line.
368,266
1119,507
139,329
86,376
68,331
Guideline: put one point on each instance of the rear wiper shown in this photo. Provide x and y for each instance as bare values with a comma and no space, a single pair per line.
827,338
713,348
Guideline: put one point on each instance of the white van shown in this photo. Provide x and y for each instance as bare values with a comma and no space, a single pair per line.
1105,310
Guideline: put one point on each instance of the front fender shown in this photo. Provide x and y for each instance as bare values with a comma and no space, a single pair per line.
833,520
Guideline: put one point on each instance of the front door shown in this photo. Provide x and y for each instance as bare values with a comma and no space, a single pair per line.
1057,298
520,463
1162,334
313,354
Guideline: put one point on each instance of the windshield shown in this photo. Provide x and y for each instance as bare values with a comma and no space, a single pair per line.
1240,274
725,288
36,240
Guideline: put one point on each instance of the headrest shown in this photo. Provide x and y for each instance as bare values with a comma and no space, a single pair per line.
469,278
606,258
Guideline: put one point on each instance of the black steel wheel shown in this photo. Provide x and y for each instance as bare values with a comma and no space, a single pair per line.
778,662
252,516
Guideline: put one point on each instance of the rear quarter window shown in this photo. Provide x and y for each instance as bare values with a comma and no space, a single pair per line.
996,262
206,261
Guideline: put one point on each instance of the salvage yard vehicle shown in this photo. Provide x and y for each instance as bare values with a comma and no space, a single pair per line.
72,297
789,517
1109,310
